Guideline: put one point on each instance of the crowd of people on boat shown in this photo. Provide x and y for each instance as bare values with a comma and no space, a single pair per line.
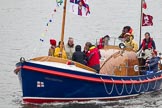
90,56
146,52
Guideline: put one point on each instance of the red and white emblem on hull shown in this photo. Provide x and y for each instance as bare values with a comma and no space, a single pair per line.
40,84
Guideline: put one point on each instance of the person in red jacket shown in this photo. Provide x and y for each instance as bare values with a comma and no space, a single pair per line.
146,48
93,56
104,41
148,42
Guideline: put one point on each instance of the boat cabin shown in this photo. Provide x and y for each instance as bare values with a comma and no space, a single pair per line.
118,60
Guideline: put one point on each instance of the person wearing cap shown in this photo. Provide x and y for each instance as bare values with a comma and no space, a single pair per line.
129,42
126,29
52,48
69,48
152,63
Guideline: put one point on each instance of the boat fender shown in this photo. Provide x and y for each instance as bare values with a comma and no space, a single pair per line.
22,59
70,63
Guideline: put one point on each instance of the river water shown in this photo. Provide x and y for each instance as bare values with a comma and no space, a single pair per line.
24,22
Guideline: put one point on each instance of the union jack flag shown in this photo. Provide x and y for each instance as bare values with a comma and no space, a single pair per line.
80,7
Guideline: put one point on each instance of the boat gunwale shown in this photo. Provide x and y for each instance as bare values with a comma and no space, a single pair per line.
100,78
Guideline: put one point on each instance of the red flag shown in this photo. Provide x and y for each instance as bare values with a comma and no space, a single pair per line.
147,20
144,5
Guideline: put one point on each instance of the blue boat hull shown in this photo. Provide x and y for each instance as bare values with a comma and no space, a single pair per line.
43,84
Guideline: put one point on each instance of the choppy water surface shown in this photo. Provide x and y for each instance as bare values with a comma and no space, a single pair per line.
24,22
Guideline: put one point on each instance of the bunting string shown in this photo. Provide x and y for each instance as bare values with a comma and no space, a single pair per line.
50,21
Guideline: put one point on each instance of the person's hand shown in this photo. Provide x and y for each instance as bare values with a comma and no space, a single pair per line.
147,61
146,64
60,54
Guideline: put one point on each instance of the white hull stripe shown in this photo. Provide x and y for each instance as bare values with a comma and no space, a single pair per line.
95,98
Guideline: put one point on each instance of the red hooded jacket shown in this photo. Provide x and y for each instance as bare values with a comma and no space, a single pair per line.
93,56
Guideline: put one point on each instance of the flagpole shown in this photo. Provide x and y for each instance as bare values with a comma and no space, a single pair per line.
63,26
141,22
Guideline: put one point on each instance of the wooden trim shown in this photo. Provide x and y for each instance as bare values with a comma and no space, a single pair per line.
116,47
61,60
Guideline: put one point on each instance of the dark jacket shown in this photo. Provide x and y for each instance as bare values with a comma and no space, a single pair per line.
79,56
153,64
